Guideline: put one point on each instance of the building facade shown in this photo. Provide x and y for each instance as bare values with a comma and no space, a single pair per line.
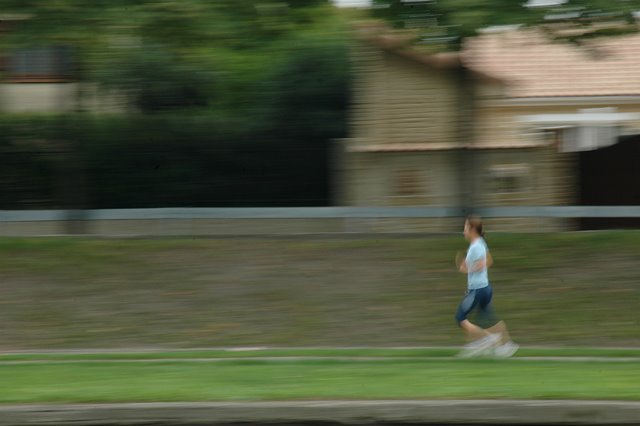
490,126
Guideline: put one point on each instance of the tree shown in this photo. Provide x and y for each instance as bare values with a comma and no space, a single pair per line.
167,49
459,19
157,80
236,64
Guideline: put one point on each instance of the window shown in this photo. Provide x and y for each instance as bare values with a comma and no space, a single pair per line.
40,64
408,183
509,179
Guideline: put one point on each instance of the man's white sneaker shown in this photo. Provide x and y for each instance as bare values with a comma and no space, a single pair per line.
506,350
480,347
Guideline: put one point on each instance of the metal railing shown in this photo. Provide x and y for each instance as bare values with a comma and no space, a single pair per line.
295,220
320,213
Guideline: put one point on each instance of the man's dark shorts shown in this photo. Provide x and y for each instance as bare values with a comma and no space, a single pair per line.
479,299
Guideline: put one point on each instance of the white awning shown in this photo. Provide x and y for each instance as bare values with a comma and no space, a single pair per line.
579,119
586,130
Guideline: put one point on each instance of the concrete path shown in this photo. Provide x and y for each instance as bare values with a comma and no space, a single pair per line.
486,412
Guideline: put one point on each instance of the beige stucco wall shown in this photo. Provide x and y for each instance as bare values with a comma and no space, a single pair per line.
57,98
546,178
496,126
374,178
542,175
38,97
397,100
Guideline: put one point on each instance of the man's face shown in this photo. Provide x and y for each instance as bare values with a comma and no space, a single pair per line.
467,231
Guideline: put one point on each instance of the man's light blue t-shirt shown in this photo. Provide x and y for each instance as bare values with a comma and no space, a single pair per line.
477,251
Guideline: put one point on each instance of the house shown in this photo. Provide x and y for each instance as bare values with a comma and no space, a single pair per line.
43,78
513,119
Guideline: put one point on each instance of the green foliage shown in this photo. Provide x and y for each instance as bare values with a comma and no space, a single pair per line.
266,83
156,81
309,90
459,19
160,161
160,50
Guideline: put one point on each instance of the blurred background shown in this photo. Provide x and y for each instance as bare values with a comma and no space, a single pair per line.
191,103
449,104
137,104
148,104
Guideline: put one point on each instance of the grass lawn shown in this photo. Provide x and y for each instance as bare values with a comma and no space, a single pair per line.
343,353
566,289
252,380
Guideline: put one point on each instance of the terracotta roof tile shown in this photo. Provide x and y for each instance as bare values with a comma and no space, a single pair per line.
534,66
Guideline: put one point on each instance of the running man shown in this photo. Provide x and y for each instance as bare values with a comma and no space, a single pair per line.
493,340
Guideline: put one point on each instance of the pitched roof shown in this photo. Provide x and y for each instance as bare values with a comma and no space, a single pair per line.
532,65
529,63
399,42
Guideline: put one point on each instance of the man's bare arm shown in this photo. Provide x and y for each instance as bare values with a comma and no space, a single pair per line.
461,262
479,265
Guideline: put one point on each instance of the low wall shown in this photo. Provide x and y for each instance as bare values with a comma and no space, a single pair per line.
311,220
329,413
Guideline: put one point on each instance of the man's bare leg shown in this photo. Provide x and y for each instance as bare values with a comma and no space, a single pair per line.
473,331
501,328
